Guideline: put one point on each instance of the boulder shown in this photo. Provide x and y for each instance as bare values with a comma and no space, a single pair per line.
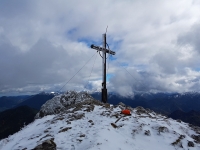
46,145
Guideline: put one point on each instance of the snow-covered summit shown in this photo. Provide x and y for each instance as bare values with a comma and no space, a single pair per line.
87,124
61,102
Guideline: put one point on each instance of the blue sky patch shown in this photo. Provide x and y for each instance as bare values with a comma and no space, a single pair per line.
114,45
124,64
197,69
109,76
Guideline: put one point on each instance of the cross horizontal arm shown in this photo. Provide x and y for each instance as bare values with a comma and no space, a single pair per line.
102,49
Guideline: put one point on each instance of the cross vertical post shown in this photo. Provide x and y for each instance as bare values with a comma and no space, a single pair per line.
104,90
104,51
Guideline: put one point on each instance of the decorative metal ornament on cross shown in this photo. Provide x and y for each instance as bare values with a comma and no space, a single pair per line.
104,51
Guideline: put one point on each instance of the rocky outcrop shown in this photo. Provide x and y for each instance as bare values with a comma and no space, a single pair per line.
196,138
46,145
62,102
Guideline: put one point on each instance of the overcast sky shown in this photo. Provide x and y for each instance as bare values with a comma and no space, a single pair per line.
44,43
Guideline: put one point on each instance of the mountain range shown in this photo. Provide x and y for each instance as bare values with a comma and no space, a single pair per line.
76,121
33,101
164,103
36,101
184,106
12,120
192,117
7,102
19,111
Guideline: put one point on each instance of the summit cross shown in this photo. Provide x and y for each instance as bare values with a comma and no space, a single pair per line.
104,51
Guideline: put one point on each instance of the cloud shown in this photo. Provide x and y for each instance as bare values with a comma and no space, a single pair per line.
191,37
43,44
43,65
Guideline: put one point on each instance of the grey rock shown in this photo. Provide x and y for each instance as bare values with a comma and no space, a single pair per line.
46,145
82,135
163,129
122,104
196,138
195,128
90,121
65,129
147,132
140,110
190,144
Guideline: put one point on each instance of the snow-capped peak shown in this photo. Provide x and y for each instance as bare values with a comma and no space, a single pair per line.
89,124
61,102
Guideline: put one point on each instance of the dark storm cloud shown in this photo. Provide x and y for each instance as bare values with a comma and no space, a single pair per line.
42,64
166,61
36,65
191,37
13,9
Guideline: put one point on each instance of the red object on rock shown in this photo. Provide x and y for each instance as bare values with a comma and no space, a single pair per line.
126,112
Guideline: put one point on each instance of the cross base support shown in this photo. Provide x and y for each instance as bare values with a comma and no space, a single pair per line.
104,95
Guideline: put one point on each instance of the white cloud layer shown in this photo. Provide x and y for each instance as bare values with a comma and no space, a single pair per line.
43,44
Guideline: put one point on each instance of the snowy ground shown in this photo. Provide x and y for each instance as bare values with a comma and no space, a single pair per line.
91,129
